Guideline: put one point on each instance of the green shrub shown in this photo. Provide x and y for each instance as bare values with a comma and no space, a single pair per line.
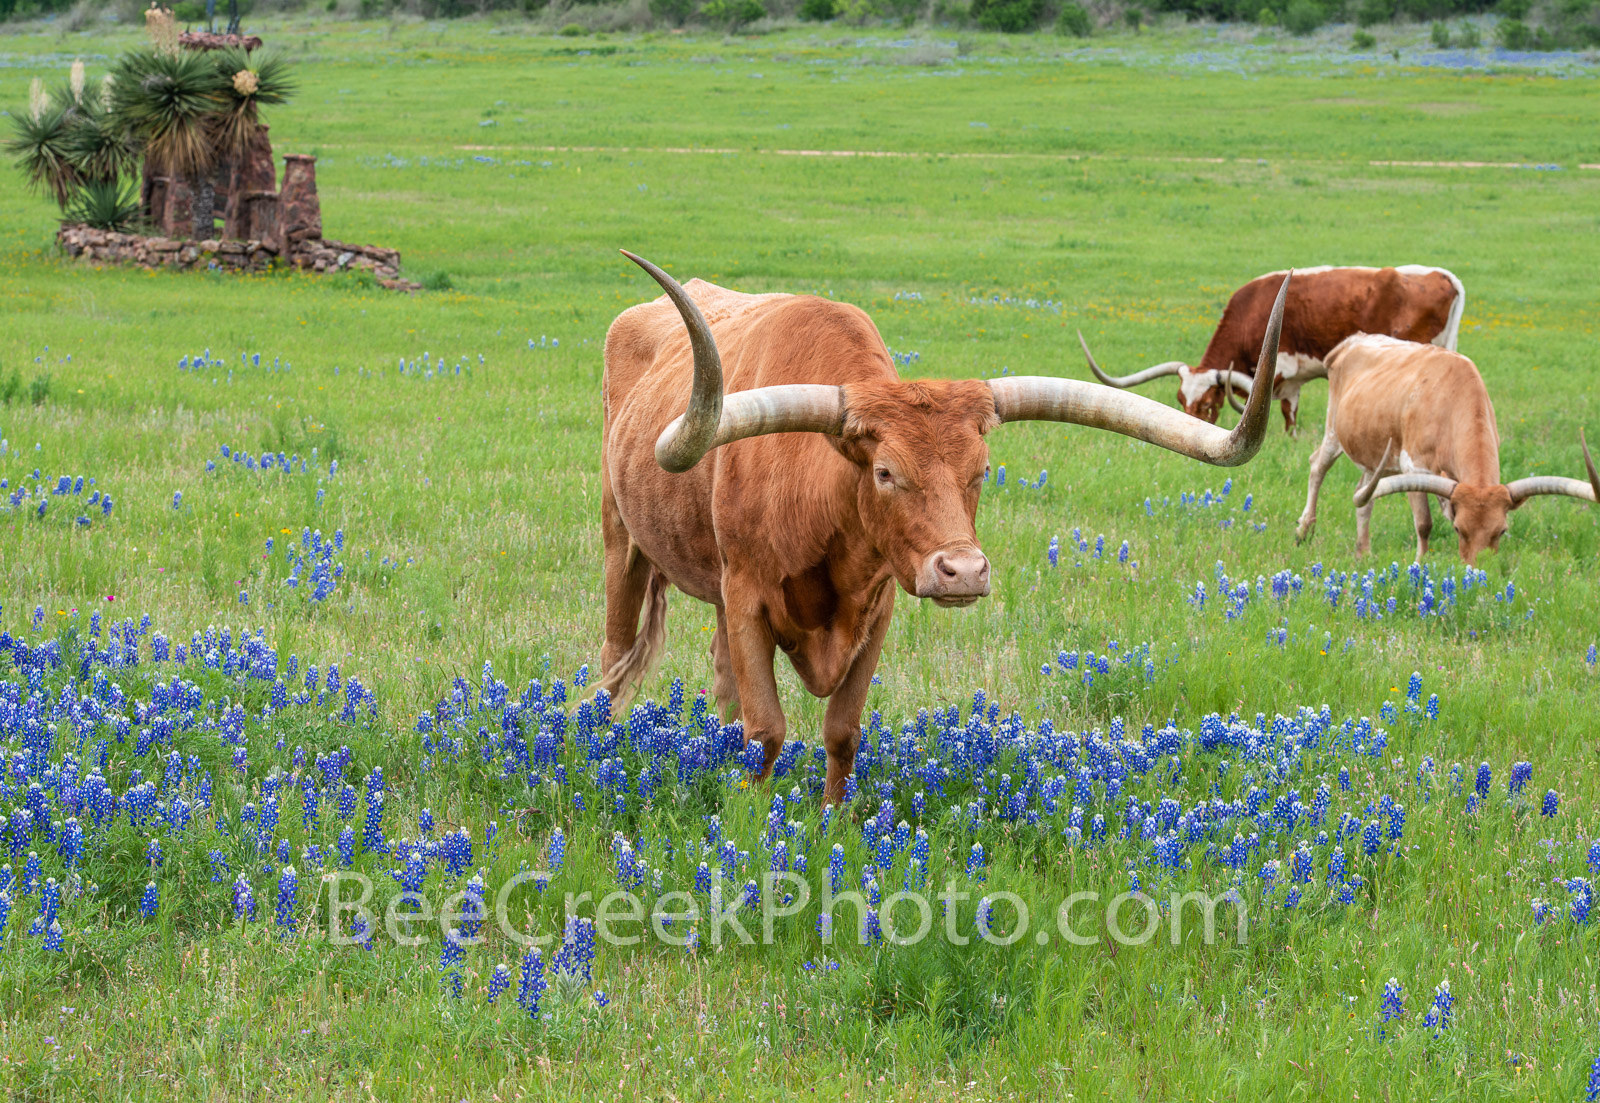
441,281
105,204
1361,40
1134,18
1514,34
1303,16
39,389
1009,16
1469,37
571,30
10,388
731,13
672,11
189,11
1372,12
1440,35
1267,17
818,11
1074,20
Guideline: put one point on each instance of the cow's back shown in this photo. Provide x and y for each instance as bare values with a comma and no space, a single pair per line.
1327,305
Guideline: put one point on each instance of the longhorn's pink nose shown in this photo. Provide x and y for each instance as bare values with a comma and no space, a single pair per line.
957,576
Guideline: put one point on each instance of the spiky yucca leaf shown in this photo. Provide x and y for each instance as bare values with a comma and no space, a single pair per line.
169,102
38,143
248,82
106,204
97,146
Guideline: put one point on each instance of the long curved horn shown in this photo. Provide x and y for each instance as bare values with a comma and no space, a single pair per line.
1405,484
1233,381
1523,489
1046,398
714,419
1138,378
691,435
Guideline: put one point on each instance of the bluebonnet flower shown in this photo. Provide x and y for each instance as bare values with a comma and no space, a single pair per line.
1054,551
52,938
288,897
1593,1091
1439,1015
499,981
558,850
1484,779
1371,838
975,863
1392,1005
601,999
1521,774
1551,803
244,899
149,901
531,984
1582,899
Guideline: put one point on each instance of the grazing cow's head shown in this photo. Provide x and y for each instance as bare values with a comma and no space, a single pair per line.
1200,393
1480,514
919,445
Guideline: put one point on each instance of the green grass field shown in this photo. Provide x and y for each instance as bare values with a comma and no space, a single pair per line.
1124,188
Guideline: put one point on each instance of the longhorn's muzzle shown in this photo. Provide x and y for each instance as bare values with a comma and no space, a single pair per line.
954,576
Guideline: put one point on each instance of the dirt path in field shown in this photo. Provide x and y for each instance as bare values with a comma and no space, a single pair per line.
998,156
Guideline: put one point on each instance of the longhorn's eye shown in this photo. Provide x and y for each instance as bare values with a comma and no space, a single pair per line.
884,476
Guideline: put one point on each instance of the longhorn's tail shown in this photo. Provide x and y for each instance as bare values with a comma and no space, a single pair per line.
1452,326
636,663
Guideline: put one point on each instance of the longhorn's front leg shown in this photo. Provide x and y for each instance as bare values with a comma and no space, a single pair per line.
1422,517
841,724
751,650
1364,521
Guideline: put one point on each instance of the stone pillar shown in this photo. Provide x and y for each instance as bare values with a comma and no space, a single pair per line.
255,173
177,212
155,199
299,212
260,212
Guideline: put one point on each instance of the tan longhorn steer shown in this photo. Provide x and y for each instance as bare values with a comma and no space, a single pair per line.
804,482
1417,420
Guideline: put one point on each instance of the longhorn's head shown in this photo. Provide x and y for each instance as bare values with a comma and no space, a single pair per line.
1200,393
918,446
1480,514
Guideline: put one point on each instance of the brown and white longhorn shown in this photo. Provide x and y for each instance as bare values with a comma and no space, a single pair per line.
1417,420
1327,305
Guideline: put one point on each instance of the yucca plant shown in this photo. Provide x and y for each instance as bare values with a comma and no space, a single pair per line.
248,83
96,144
169,103
106,204
38,140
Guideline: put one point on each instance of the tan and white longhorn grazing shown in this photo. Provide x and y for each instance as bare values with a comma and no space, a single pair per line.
1417,420
803,482
1327,305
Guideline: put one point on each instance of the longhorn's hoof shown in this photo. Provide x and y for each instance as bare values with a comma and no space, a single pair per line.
1303,531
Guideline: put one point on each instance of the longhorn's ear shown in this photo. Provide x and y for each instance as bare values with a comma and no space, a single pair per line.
854,447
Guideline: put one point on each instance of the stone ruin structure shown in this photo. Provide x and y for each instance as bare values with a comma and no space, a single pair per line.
261,222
